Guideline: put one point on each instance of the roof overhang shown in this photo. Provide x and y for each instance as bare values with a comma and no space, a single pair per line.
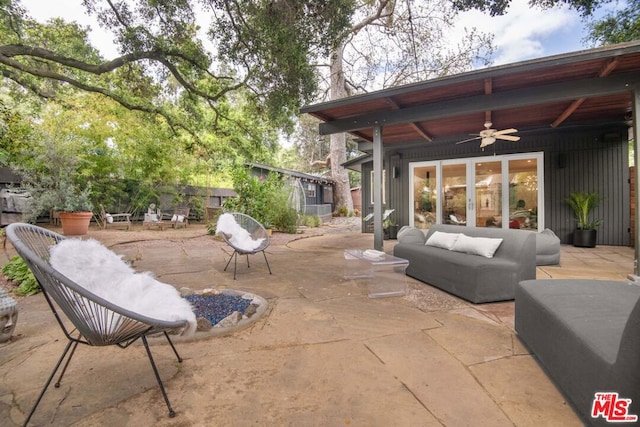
582,87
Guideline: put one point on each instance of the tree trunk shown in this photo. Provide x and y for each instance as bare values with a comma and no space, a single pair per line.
342,191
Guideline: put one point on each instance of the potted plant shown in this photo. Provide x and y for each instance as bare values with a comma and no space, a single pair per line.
389,225
583,204
54,183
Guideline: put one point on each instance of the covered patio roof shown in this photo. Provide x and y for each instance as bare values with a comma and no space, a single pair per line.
600,85
585,86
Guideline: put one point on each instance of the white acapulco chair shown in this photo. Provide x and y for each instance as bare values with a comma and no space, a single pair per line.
256,232
90,320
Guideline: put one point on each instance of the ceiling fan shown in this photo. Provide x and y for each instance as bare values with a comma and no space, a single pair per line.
488,136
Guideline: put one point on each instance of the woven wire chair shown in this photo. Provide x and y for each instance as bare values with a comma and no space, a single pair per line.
90,320
257,231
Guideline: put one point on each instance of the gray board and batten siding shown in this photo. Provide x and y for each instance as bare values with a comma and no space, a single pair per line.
575,159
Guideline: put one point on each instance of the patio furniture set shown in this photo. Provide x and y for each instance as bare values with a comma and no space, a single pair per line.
584,333
153,218
87,314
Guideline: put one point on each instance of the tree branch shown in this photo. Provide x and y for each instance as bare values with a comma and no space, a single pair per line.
46,74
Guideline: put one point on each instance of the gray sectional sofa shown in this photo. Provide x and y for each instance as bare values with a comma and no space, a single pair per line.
586,335
473,277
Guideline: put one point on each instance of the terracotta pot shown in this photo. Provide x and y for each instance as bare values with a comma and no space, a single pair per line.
75,223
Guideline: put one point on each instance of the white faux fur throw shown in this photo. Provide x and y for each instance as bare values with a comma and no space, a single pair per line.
240,238
102,272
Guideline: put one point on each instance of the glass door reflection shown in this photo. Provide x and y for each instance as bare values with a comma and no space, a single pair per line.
424,196
454,191
523,194
488,184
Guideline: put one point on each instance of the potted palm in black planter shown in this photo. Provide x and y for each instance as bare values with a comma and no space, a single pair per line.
583,204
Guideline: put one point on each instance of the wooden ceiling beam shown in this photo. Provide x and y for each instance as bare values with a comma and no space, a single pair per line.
488,90
521,97
415,126
604,72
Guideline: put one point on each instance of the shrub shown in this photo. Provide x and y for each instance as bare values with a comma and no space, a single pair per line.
282,216
18,272
255,195
211,228
310,220
342,211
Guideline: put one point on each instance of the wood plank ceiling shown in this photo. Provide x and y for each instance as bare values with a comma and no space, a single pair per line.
581,87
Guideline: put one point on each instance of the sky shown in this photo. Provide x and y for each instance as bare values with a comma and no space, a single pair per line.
523,33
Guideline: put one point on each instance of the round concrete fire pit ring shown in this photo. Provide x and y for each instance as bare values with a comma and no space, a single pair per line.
220,312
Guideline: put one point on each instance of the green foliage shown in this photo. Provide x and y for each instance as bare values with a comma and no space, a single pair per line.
54,178
500,7
18,272
282,216
164,69
583,204
211,228
265,198
617,27
310,220
281,40
255,194
342,211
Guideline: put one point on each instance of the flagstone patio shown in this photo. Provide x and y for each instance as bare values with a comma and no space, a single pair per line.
323,354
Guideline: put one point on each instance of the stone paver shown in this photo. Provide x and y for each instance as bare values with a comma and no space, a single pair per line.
324,354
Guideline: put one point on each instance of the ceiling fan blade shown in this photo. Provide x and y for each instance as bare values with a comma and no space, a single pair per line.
512,138
467,140
504,131
487,141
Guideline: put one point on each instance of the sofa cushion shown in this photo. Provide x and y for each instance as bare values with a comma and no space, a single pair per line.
443,240
411,235
547,248
483,246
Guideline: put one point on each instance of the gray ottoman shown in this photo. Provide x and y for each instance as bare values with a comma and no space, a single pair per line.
547,248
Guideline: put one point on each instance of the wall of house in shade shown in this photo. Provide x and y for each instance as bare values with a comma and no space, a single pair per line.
575,159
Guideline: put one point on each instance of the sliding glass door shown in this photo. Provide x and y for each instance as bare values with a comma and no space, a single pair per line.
498,191
424,184
488,193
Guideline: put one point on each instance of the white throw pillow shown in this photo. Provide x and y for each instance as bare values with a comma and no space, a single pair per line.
180,218
443,240
483,246
109,218
174,218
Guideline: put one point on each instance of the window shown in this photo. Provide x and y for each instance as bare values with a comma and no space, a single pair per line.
311,190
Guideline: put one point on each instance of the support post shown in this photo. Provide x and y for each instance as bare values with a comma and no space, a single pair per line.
636,162
377,189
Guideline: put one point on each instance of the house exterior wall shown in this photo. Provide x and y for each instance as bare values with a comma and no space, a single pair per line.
317,191
575,159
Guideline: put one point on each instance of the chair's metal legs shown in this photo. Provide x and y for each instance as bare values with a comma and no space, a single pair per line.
172,347
53,373
66,365
234,256
172,413
265,260
68,347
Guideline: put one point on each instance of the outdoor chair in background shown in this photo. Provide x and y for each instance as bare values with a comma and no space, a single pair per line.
90,320
245,235
180,217
153,218
119,220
